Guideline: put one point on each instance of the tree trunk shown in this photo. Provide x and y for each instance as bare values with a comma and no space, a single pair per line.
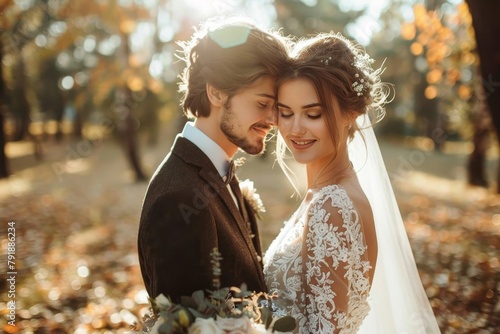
481,120
4,170
132,147
78,124
476,168
127,131
20,104
486,26
128,128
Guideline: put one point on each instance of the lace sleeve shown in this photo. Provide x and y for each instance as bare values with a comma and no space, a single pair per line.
335,265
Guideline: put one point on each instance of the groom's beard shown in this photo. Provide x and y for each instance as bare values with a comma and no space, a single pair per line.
240,137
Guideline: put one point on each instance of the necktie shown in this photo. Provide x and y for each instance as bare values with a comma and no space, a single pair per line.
235,188
230,173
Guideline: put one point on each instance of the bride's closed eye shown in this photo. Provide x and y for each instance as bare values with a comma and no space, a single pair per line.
284,113
314,116
288,114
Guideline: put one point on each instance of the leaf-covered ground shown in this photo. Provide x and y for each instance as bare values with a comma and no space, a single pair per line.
76,218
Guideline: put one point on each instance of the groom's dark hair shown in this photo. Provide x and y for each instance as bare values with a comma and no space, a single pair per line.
230,56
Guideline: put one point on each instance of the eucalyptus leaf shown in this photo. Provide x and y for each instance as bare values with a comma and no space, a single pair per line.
285,324
196,313
166,327
188,302
220,294
267,316
198,297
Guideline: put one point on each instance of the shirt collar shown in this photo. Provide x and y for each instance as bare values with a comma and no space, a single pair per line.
212,150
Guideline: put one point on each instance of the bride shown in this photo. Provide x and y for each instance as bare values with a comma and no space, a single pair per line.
342,263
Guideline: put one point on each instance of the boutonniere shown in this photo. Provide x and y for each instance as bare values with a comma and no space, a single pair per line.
250,194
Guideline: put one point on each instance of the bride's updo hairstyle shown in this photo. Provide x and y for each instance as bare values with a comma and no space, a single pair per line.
345,81
340,69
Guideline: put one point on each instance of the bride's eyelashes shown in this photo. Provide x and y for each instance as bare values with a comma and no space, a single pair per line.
315,116
287,114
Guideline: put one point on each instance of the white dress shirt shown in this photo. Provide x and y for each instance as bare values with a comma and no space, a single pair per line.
212,150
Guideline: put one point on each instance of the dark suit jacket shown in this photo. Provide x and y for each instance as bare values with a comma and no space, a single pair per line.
187,211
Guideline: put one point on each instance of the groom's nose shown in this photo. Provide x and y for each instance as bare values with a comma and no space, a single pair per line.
272,118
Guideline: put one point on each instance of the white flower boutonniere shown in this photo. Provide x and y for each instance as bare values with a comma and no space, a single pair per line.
250,194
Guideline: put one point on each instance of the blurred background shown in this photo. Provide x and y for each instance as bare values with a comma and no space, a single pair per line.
89,107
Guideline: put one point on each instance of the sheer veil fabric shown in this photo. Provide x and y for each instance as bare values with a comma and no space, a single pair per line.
398,302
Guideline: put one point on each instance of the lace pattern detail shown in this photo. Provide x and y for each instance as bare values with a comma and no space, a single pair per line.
315,259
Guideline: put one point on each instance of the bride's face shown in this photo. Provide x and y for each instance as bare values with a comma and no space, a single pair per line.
301,122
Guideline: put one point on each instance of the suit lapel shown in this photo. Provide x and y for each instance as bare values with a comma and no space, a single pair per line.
252,222
247,229
191,154
241,203
219,188
241,219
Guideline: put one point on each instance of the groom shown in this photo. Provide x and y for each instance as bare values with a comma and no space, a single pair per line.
193,204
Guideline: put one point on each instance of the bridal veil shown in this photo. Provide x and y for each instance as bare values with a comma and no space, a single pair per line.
399,304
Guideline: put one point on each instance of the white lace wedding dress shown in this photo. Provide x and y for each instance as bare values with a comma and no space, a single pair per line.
315,294
318,259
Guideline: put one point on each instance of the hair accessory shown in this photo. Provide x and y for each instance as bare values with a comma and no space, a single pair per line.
360,85
363,62
325,60
363,78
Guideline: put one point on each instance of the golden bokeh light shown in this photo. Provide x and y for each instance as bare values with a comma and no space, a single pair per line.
127,26
135,83
434,76
469,58
416,49
431,92
464,92
452,76
423,38
408,31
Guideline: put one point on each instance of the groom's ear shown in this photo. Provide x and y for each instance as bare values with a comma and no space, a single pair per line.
216,96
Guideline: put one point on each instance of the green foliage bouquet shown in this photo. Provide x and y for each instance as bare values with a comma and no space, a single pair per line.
223,310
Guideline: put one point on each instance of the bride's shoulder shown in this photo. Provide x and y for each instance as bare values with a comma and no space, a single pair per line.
345,197
333,194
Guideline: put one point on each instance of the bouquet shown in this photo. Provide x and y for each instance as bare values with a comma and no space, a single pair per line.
223,310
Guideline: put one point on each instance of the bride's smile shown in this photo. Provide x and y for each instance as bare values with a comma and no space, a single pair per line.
301,122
